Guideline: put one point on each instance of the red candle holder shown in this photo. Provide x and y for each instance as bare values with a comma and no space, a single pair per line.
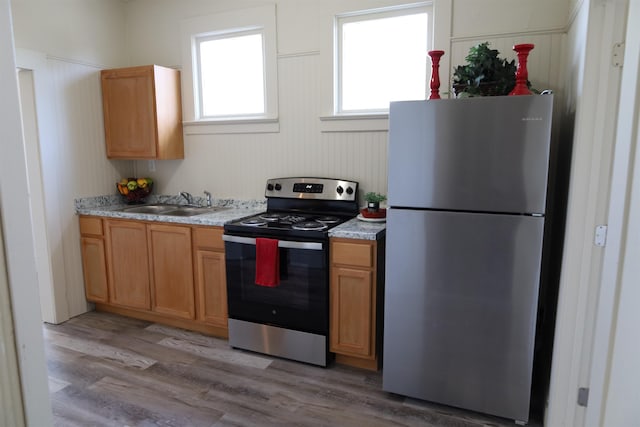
522,75
435,73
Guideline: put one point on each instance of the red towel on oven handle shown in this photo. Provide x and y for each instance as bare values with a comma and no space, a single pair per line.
267,262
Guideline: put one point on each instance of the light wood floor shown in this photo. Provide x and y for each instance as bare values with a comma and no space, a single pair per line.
107,370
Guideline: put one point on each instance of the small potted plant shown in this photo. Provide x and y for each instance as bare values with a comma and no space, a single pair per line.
373,201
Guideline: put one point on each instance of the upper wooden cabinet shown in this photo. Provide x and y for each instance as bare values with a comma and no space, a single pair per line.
142,113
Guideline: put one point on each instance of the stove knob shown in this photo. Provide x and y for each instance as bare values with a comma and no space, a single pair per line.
340,190
349,190
278,187
270,187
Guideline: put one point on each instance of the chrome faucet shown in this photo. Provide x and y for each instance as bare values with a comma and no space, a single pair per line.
188,197
208,196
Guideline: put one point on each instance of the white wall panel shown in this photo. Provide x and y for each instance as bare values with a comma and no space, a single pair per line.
76,167
228,165
238,165
91,31
472,18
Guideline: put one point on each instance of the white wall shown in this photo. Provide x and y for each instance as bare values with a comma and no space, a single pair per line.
592,84
615,367
11,412
75,39
237,165
90,31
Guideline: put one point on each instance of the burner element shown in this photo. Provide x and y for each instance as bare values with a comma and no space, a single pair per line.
328,219
309,225
272,216
292,219
281,217
254,221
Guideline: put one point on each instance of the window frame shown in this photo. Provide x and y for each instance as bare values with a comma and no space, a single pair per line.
242,21
367,15
199,102
442,11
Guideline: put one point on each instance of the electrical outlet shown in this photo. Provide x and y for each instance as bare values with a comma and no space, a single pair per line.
152,165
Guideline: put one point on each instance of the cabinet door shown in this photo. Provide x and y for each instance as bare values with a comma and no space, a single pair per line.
352,302
172,270
212,287
128,264
129,112
94,269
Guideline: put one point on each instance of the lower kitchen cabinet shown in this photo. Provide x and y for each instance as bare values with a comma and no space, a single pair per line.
211,278
171,269
356,302
160,272
94,265
128,264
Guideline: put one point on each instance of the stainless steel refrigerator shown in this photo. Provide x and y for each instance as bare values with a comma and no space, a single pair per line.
466,194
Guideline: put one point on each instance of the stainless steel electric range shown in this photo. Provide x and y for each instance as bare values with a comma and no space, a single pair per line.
277,265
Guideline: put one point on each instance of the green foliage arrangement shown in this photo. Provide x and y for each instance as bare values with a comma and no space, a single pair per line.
485,74
374,197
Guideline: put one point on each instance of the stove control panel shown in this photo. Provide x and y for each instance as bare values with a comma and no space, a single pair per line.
312,188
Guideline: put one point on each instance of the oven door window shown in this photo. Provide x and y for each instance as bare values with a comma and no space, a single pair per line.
299,302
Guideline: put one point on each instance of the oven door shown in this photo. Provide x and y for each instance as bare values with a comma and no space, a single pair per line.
299,302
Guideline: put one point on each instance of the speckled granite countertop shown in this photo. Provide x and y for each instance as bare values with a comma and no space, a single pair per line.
356,229
110,206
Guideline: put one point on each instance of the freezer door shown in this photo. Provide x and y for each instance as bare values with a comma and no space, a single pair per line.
461,293
486,154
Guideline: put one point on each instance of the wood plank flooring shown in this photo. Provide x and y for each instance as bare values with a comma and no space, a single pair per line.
108,370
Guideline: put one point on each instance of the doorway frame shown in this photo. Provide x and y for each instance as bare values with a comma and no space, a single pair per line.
53,300
17,236
616,354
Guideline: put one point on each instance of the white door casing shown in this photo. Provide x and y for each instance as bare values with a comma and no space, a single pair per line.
18,238
615,366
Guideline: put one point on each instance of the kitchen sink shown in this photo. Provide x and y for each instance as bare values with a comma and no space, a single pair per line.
191,211
172,210
149,209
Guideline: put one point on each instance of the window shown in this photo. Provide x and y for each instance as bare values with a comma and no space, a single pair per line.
381,56
231,75
230,72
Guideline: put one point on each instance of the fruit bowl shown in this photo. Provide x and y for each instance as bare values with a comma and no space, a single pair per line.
135,190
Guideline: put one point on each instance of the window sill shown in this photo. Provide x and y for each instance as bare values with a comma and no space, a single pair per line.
211,127
355,123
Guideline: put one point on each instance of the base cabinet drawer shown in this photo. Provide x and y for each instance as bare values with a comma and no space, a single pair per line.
211,282
171,269
94,259
356,289
352,302
128,264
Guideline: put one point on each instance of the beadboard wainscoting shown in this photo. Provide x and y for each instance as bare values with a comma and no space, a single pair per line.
237,165
74,164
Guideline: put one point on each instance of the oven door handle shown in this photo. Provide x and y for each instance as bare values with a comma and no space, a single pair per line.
313,246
